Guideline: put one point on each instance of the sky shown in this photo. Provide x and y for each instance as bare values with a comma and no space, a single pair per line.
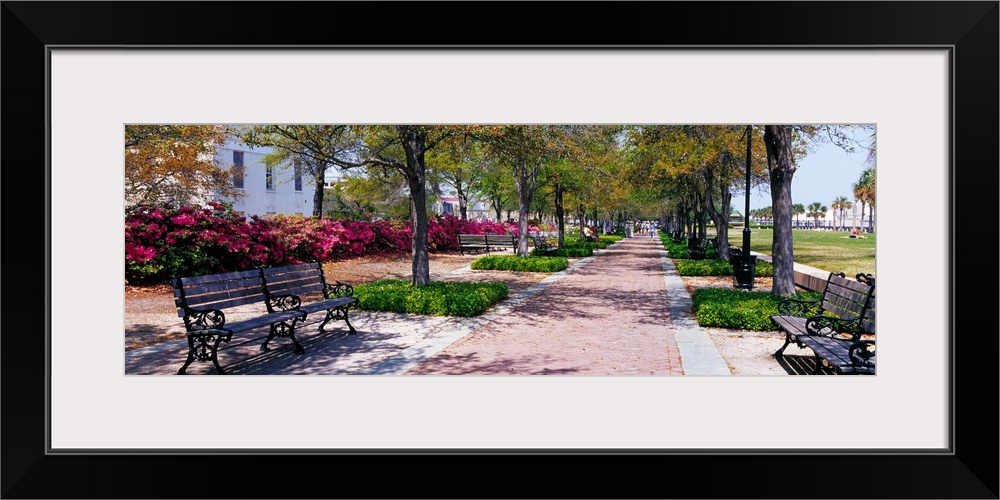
823,175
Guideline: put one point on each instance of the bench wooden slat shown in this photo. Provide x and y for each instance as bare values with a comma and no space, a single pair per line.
843,309
273,275
225,293
222,304
327,304
261,321
290,268
845,302
240,284
850,284
832,350
792,323
292,283
212,278
299,288
501,239
847,294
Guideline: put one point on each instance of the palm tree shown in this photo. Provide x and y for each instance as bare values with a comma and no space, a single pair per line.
768,213
840,204
816,210
864,191
797,210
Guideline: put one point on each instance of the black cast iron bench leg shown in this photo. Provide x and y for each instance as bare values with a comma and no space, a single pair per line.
780,352
204,351
283,329
335,314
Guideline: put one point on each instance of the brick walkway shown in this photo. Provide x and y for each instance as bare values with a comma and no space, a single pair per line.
608,317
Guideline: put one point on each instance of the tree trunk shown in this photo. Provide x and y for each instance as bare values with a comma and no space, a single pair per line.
721,220
319,177
581,213
497,208
463,201
416,175
560,215
781,167
524,181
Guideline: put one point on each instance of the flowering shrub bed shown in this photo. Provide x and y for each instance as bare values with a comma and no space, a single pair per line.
161,241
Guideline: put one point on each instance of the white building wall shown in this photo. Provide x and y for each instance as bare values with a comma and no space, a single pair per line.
282,198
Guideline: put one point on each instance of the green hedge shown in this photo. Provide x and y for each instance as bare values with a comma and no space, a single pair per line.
515,263
743,310
680,250
592,245
565,252
718,268
437,298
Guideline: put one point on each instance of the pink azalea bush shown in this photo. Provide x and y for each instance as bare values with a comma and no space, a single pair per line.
162,241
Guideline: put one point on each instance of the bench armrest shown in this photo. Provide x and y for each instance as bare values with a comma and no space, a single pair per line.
338,290
203,319
862,353
828,326
800,308
285,302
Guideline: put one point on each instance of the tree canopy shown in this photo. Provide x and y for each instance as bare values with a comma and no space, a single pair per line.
174,163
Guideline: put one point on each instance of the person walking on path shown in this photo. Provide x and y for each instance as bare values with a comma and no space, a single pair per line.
607,318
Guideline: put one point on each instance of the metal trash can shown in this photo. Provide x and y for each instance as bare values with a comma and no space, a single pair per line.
744,273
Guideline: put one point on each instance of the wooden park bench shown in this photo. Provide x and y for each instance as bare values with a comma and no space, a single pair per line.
472,242
697,248
204,300
288,287
839,327
542,245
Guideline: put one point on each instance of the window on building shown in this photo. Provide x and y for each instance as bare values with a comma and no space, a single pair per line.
297,166
269,178
238,169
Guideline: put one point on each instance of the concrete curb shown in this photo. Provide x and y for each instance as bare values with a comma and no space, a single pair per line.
699,355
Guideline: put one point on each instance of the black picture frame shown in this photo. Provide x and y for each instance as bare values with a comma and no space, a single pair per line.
970,471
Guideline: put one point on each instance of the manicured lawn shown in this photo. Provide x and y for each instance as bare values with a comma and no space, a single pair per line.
827,250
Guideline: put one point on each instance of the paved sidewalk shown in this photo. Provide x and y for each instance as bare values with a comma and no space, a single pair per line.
611,316
623,311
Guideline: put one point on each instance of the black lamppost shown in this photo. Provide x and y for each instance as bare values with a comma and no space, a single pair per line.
745,270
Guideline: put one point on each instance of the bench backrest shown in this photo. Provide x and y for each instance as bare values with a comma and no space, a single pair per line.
846,298
298,279
218,291
500,239
472,239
